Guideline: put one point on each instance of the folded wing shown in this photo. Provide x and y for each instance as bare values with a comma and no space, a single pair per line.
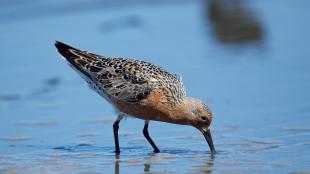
122,79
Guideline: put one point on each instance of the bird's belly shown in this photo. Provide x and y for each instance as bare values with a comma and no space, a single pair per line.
143,112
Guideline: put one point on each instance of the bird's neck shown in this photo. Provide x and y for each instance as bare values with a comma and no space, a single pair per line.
183,114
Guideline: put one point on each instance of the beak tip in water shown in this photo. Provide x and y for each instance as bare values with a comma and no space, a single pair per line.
208,137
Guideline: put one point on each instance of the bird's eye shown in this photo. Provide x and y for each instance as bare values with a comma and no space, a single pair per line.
203,118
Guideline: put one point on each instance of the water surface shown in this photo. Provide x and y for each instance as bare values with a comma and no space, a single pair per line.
248,59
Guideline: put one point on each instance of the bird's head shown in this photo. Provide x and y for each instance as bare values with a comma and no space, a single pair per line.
201,118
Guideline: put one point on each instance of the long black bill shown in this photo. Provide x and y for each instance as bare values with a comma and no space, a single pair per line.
208,137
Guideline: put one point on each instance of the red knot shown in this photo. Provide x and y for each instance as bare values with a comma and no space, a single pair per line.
139,89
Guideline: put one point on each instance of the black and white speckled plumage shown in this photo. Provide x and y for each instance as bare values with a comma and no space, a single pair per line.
123,79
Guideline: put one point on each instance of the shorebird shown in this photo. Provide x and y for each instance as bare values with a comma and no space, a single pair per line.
139,89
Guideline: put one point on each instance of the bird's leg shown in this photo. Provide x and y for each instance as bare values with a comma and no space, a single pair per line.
147,136
115,130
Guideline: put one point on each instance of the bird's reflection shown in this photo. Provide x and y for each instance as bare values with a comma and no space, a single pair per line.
209,164
206,166
147,167
116,163
147,164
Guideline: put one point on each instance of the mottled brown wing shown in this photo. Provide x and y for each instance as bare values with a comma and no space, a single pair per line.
126,80
123,79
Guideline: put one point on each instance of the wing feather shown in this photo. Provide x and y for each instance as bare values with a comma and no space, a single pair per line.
123,79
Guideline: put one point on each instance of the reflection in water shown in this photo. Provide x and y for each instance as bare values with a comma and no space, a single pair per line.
205,163
206,166
116,164
147,164
147,167
233,22
148,160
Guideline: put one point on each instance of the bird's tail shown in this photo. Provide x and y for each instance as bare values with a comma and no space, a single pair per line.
82,61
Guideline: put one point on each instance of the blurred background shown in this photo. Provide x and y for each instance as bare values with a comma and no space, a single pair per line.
248,59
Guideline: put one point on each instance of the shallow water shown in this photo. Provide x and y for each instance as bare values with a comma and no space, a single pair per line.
248,60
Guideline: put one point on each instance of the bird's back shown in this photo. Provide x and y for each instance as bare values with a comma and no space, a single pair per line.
123,79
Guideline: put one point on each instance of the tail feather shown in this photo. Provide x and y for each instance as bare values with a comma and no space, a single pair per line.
78,59
85,63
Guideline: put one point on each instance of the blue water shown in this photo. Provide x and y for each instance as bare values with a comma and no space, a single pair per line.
248,59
